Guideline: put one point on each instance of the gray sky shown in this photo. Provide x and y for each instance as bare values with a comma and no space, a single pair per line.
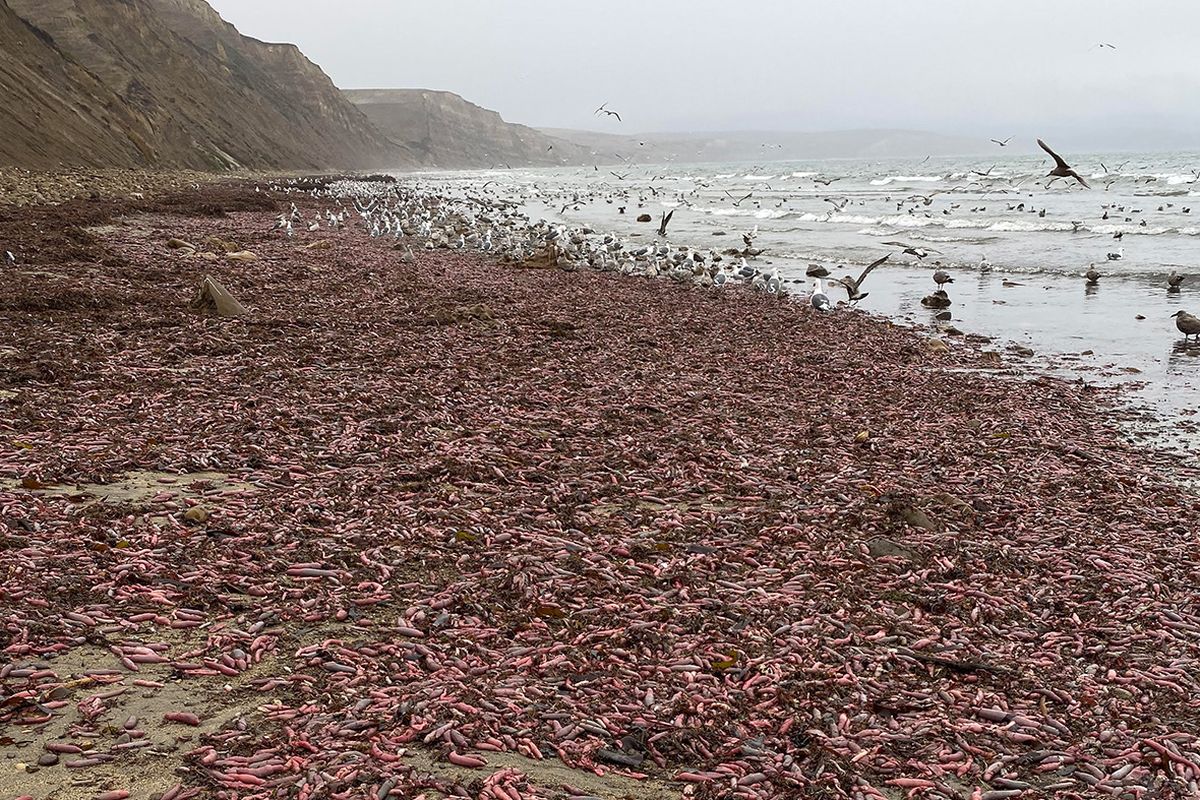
959,66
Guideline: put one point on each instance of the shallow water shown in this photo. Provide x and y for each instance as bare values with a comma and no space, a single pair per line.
1042,237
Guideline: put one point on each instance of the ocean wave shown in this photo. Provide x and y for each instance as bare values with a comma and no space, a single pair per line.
804,174
757,213
890,179
753,177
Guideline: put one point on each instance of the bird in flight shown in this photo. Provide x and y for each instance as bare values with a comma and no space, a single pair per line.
854,287
604,110
1061,168
1104,46
737,201
1003,143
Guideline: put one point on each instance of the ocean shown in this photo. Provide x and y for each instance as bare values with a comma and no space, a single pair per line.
1037,239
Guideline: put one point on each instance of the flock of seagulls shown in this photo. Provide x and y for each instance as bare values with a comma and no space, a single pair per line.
430,219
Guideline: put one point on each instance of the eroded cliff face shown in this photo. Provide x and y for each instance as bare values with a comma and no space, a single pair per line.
182,88
51,109
442,130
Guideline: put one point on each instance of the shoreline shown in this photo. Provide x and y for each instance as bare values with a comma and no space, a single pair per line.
457,506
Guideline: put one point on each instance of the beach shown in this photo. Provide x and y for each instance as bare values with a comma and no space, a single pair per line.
452,527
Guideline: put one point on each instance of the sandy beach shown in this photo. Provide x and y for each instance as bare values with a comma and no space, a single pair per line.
458,528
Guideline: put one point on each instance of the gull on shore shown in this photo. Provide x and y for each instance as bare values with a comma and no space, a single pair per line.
819,300
1187,324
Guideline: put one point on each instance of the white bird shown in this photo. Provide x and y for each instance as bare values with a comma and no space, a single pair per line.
1117,256
9,258
985,265
819,300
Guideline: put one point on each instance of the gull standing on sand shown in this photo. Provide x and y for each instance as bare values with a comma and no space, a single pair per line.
819,300
1061,168
1188,325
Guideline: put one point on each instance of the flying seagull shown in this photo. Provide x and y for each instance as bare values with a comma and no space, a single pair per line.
1061,169
1004,143
854,287
603,110
1104,45
666,220
737,201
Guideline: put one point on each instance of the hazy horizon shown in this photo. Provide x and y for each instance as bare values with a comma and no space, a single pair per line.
676,65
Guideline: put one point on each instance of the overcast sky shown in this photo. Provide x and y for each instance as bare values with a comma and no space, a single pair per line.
957,66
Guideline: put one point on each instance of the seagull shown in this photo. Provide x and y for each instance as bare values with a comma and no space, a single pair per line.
603,110
1117,256
1103,46
854,287
820,300
1003,143
984,264
737,201
9,258
1061,169
1188,325
1173,281
907,249
1093,275
941,278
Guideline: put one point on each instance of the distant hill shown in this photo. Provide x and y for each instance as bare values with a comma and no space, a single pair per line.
442,130
769,145
167,83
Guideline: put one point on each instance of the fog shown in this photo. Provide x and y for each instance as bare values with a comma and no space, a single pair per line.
1016,67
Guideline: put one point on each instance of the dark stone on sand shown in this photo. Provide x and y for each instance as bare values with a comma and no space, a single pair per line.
623,759
1021,350
879,547
944,316
953,331
645,218
47,759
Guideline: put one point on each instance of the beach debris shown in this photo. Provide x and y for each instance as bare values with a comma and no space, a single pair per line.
645,218
241,255
214,298
180,244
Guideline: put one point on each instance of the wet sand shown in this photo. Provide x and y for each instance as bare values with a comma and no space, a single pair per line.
455,510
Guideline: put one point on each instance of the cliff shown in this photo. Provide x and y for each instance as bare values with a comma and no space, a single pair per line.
54,109
168,83
442,130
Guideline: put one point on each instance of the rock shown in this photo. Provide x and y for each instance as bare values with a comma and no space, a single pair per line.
196,515
953,331
180,244
242,255
645,218
1139,316
623,759
215,298
223,245
990,356
1021,350
944,316
47,759
879,547
938,346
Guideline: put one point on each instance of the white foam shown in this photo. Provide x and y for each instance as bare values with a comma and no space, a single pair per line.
752,177
890,179
804,174
757,213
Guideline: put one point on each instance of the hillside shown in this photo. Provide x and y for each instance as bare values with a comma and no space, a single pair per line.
53,108
168,83
442,130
